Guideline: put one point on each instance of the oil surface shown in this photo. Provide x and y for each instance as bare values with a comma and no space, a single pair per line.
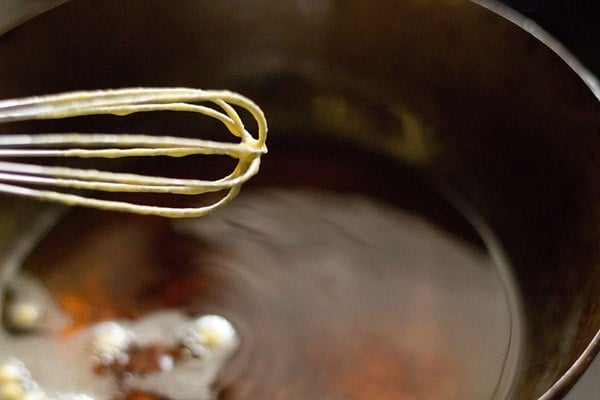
343,283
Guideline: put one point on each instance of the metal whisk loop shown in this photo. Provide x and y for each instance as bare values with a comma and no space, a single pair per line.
17,178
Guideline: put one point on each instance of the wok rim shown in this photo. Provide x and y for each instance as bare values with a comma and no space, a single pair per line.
568,379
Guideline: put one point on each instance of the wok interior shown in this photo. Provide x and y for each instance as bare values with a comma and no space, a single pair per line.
503,122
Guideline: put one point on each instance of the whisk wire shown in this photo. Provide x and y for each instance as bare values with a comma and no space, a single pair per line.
124,102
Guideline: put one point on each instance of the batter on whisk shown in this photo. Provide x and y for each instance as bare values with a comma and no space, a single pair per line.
18,178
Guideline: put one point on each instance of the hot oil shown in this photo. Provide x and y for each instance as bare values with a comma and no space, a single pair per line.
345,276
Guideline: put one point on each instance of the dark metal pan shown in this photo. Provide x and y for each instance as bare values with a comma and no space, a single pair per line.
512,120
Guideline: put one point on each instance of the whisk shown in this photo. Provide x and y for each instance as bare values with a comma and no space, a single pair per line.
27,179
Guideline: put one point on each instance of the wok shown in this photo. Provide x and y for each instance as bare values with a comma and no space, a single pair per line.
513,120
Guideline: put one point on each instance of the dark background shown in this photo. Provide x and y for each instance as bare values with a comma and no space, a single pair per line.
576,24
